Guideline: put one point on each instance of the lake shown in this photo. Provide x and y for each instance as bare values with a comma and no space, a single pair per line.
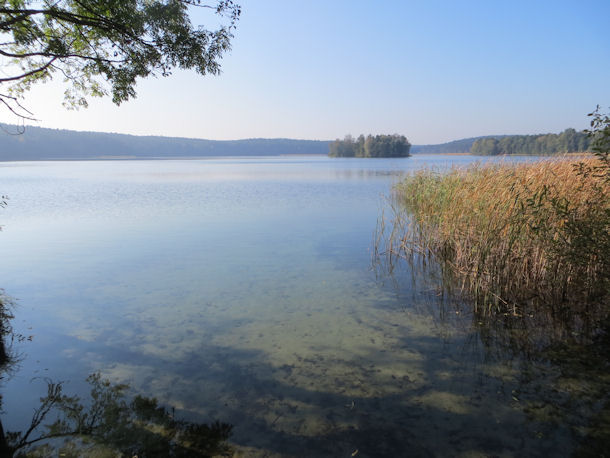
244,290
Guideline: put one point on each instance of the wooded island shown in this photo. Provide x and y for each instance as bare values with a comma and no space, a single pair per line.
371,146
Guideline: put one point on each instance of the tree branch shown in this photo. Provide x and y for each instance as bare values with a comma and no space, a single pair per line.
53,396
25,14
14,100
55,56
30,73
46,437
115,41
57,13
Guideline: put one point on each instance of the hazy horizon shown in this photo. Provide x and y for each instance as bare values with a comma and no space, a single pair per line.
272,138
435,72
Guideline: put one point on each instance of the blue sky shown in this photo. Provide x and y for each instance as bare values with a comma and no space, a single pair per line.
434,71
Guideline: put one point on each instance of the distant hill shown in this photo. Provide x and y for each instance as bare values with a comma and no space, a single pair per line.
38,143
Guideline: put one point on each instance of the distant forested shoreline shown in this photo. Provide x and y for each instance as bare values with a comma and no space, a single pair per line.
371,146
37,143
568,141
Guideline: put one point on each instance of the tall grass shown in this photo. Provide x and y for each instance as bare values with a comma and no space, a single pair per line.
513,235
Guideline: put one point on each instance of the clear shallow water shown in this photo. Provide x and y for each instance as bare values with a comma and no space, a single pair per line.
242,290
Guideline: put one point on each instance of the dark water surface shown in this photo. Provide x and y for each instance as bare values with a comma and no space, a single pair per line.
243,290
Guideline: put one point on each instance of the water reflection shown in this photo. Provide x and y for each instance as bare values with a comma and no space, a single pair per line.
550,363
483,388
361,174
243,292
105,424
8,358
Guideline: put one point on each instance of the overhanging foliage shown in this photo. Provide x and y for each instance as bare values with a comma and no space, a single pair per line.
102,47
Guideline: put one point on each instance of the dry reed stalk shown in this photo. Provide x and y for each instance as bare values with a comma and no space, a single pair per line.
513,233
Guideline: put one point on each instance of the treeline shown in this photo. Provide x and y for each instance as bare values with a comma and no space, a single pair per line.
462,146
37,143
371,146
568,141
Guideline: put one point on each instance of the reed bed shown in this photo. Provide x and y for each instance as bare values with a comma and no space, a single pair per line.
512,235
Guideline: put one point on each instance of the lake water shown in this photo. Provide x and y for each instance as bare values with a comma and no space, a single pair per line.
243,290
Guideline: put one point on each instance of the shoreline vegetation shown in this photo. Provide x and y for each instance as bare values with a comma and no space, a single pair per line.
516,237
513,236
524,251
